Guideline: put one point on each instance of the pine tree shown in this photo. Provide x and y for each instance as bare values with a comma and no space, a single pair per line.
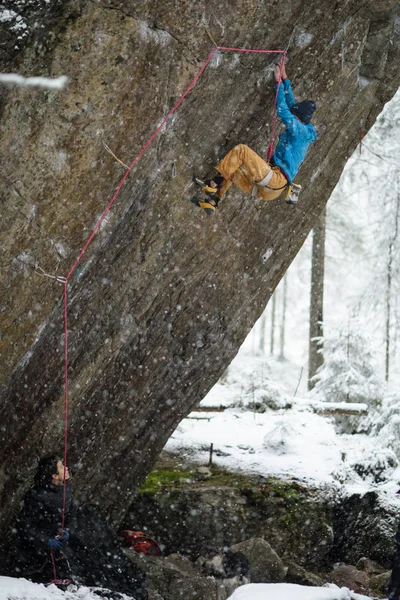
348,375
387,426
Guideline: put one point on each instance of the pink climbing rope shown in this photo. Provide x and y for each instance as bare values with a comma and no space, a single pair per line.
66,402
108,207
249,50
53,564
142,151
82,252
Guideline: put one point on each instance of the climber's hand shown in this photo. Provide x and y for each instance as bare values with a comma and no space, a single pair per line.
278,74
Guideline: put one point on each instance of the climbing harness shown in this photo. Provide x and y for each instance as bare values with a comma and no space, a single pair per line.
263,183
292,189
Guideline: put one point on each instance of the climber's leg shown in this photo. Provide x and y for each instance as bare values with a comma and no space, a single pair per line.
243,167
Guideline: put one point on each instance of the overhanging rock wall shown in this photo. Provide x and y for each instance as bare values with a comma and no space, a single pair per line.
165,295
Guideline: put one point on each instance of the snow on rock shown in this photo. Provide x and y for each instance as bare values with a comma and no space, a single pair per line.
355,407
220,395
57,83
257,433
290,591
15,23
282,437
22,589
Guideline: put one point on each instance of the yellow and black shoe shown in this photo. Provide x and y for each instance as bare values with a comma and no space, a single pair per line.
210,203
206,206
206,186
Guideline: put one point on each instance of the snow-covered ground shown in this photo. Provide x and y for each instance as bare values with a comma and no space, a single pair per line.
288,440
21,589
286,591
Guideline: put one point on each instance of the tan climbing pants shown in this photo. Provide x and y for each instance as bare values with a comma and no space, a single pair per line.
243,167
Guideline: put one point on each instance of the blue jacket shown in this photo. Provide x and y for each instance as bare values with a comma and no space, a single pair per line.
295,139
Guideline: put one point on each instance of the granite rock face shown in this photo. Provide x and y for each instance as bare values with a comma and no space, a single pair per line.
164,296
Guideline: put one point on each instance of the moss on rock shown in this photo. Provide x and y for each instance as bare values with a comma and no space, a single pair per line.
196,516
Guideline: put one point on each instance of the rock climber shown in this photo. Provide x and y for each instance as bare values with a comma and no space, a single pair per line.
41,538
243,167
86,551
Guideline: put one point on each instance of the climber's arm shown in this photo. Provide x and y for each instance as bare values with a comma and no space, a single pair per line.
283,111
287,87
285,99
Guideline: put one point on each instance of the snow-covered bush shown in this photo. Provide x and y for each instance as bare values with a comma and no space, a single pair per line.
387,425
280,439
376,466
348,375
268,396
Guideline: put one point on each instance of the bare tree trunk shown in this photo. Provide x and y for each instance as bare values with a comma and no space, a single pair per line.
389,274
315,358
273,309
261,345
283,320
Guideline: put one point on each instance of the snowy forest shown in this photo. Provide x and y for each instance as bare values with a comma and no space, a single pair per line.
361,271
200,332
356,345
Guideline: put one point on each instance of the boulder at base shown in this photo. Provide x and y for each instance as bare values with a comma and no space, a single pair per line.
265,564
350,577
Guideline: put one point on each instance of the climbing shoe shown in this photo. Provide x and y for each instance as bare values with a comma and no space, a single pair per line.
206,206
206,186
211,193
292,195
